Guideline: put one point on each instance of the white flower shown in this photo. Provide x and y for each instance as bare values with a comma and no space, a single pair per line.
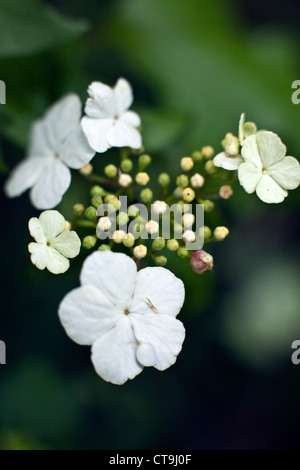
54,243
56,143
108,123
266,169
128,317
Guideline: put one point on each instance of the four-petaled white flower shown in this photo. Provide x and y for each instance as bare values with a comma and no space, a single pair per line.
108,123
127,316
56,143
54,243
266,169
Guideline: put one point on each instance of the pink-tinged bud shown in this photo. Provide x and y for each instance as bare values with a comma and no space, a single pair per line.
201,261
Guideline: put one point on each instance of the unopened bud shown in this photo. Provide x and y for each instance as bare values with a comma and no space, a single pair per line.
189,236
125,180
144,161
182,252
78,210
207,151
98,191
133,211
178,193
201,261
113,201
126,165
210,167
225,192
142,178
188,195
231,144
96,201
160,260
188,220
205,232
128,240
146,195
182,181
89,242
122,218
152,227
118,236
197,156
208,205
159,207
172,244
67,226
197,180
90,212
186,163
104,247
158,244
111,171
220,233
140,251
104,224
86,170
164,179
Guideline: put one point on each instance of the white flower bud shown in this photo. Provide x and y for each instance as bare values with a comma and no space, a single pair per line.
140,251
125,180
197,180
220,233
188,236
186,163
152,227
159,207
118,236
188,220
104,224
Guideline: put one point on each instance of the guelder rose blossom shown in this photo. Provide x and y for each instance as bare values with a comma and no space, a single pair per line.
108,123
56,143
128,317
54,243
266,168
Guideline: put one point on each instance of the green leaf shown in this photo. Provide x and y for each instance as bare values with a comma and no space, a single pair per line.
30,26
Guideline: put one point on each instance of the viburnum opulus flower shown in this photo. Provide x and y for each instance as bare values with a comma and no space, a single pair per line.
128,317
108,123
57,143
54,243
266,168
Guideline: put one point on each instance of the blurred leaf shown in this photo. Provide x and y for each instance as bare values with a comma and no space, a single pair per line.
30,26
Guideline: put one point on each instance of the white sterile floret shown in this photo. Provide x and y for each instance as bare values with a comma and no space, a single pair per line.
108,123
54,243
57,143
128,317
266,169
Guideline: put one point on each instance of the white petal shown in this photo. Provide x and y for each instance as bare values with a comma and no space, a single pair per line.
121,134
286,173
101,103
67,243
269,191
114,354
57,263
131,119
164,290
53,223
270,148
96,131
123,96
39,143
51,186
86,314
39,254
241,127
249,176
114,274
36,230
75,151
61,119
160,339
250,151
228,163
24,176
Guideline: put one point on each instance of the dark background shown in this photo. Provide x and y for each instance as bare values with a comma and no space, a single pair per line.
194,67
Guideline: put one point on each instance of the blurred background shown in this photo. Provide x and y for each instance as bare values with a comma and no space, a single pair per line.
194,67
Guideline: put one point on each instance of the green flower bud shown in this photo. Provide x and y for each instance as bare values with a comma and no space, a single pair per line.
126,165
146,195
122,218
98,191
164,179
158,243
160,260
113,201
208,205
197,156
144,161
210,167
111,171
182,252
89,242
128,240
182,181
172,244
142,178
90,212
205,232
96,201
207,151
188,195
78,210
178,193
186,163
133,211
104,247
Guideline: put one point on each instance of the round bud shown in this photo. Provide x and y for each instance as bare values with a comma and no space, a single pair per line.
133,211
172,244
152,227
188,195
158,244
188,236
118,236
67,226
86,170
78,210
197,181
188,220
89,242
231,144
104,247
182,181
225,192
207,151
146,195
178,193
124,180
207,205
205,232
160,260
164,179
182,252
197,156
104,224
126,165
122,218
90,212
128,240
220,233
210,167
144,161
111,171
140,251
142,178
201,261
96,201
113,201
159,207
186,163
98,191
